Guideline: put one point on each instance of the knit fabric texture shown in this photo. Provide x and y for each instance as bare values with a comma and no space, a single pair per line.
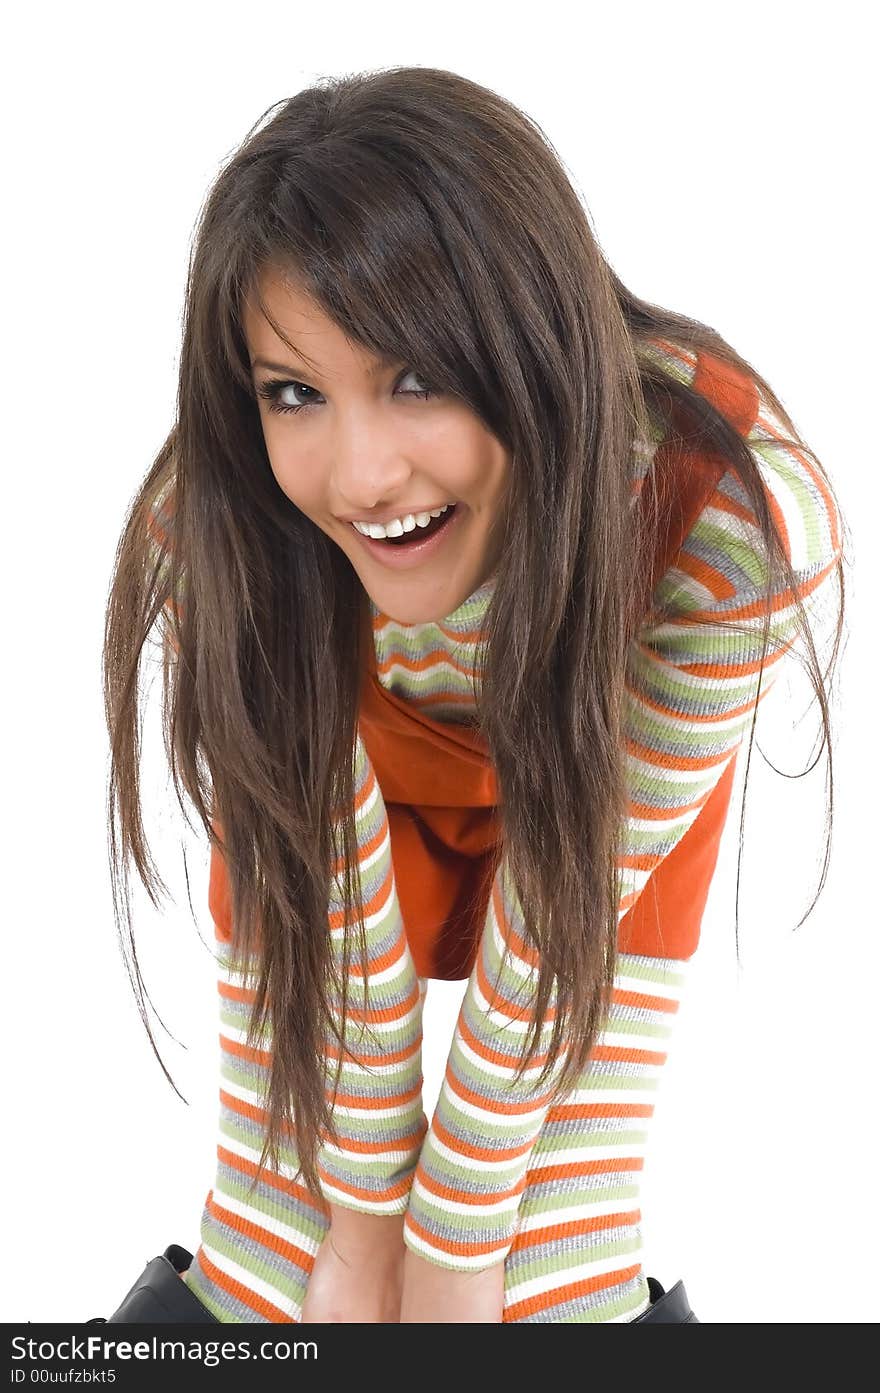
500,1173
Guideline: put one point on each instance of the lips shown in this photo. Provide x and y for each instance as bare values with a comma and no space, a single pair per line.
422,546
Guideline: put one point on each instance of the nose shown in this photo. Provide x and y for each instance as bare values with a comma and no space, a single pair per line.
370,469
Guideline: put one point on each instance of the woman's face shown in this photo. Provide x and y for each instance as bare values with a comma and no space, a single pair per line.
366,446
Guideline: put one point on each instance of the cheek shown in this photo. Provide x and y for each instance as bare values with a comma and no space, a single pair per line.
300,484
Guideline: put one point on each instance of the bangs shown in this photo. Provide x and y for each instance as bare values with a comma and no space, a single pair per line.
389,263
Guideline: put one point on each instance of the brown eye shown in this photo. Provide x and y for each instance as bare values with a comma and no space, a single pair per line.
271,391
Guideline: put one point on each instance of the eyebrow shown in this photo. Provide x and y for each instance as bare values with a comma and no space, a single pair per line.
384,362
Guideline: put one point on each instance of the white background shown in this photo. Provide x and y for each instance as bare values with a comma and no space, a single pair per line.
725,157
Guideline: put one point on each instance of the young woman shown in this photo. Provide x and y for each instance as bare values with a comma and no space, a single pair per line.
472,571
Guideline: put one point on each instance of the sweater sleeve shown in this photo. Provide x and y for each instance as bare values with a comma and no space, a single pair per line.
692,687
376,1106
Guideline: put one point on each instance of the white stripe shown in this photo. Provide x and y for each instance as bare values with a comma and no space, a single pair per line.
478,1166
331,1193
537,1286
389,1027
574,1155
369,803
245,1095
668,989
573,1213
341,1110
597,1094
791,508
696,778
378,977
504,1206
681,582
526,1120
357,1159
372,920
416,682
248,1279
366,861
444,1259
290,1171
682,722
230,1035
619,1039
505,1072
375,1070
289,1231
252,1153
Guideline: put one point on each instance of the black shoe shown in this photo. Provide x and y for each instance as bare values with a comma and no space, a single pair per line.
160,1296
667,1307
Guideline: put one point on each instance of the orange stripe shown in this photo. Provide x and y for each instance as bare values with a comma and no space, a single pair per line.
493,991
291,1252
249,1110
451,1192
532,1238
756,609
391,1192
352,1144
545,1299
430,699
479,1153
582,1112
689,718
355,1100
489,1055
814,474
437,657
270,1177
644,1001
605,1053
264,1309
743,670
233,993
394,1012
383,962
724,503
241,1051
540,1175
411,1143
700,570
686,763
468,1095
452,1246
263,1058
675,351
397,1057
382,621
245,996
626,1054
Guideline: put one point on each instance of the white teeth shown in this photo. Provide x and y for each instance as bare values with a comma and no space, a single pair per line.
398,526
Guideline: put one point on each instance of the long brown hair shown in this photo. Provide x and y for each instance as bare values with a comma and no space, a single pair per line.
434,223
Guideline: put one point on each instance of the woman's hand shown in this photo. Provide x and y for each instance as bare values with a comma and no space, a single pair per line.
440,1294
358,1270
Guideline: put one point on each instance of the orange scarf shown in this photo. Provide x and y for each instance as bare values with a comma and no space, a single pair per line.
440,793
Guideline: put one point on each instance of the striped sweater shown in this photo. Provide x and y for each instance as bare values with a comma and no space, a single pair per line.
500,1173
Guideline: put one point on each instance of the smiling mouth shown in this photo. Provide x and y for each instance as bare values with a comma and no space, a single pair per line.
416,534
